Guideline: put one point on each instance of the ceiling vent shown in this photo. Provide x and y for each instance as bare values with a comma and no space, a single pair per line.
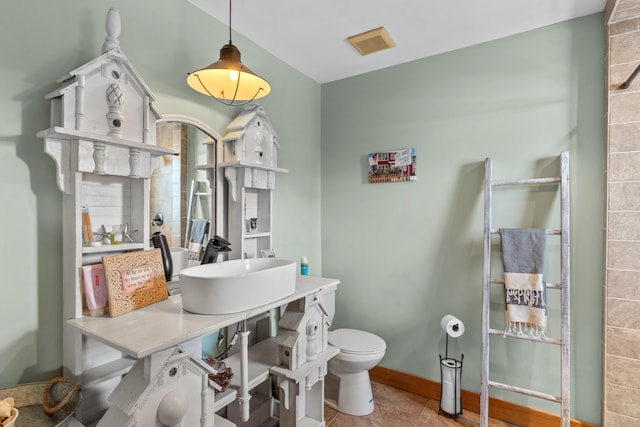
372,41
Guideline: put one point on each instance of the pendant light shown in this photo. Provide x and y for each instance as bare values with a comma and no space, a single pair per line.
227,80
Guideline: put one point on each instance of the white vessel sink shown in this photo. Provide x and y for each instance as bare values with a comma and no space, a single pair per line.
237,285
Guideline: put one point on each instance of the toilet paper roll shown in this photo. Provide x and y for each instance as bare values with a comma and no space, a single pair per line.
452,325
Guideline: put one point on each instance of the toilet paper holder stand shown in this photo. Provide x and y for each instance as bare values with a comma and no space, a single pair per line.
450,402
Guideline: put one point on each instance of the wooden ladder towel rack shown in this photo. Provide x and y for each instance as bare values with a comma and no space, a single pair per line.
198,191
563,287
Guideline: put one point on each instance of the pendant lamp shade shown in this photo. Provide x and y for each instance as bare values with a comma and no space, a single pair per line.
228,80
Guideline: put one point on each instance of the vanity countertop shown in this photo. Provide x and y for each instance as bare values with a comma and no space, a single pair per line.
165,324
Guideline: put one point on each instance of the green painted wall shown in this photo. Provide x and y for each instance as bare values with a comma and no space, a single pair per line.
408,253
41,41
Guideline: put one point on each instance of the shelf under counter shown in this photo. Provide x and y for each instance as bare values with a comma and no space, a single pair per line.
165,324
298,374
262,359
224,398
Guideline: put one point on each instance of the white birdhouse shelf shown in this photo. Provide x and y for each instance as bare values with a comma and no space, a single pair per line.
250,163
251,140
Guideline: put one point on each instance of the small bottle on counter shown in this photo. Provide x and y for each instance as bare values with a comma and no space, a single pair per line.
304,266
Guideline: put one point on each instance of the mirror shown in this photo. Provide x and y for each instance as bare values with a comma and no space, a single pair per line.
183,193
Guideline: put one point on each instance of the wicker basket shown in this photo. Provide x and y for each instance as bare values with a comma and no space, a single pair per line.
62,400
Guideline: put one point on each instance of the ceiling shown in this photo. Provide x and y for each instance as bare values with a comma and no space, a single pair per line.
311,36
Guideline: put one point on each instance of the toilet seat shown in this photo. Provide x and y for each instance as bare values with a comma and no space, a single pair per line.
352,341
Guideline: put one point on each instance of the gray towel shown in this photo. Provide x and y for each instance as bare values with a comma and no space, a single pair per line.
199,230
526,299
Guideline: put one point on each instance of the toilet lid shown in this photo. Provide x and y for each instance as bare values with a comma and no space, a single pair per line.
354,341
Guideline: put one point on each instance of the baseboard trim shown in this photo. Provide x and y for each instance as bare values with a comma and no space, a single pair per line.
498,409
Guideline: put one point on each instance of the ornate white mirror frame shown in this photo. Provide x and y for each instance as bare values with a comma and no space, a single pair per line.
187,186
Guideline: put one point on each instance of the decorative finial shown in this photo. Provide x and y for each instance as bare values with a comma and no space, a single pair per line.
113,27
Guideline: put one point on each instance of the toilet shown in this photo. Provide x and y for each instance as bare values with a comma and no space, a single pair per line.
347,384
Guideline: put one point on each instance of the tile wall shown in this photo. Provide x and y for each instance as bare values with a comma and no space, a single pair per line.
167,193
621,358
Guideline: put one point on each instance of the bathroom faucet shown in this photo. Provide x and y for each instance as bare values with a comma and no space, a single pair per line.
215,250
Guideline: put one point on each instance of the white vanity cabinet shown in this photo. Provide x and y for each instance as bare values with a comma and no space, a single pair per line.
162,372
102,139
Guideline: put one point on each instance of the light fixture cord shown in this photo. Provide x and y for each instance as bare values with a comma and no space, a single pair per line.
233,100
230,22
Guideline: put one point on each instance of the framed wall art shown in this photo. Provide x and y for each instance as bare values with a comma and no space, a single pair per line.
392,166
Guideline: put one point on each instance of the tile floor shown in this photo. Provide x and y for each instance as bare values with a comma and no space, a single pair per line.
398,408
